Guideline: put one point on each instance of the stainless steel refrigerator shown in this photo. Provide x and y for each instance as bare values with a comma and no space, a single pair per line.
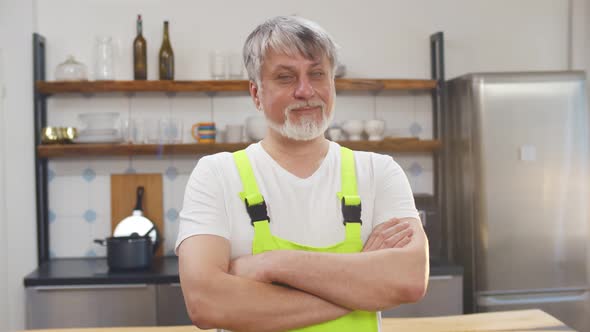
516,163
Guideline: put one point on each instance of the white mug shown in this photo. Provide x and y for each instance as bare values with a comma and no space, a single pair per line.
233,133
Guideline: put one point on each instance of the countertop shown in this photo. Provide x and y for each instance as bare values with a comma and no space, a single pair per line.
521,320
164,270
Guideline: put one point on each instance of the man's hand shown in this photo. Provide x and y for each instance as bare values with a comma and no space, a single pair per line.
250,267
391,234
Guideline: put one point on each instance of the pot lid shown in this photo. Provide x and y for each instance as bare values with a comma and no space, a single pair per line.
136,224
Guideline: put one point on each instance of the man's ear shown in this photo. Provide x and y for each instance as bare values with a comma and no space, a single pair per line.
254,90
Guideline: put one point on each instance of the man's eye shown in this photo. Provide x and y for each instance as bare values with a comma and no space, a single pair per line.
285,78
317,74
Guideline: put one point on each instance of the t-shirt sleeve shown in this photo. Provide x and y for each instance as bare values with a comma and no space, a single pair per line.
393,194
203,209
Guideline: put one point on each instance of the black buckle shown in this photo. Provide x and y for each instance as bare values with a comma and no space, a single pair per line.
257,212
351,213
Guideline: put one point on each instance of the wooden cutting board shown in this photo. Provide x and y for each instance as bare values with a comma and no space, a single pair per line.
124,196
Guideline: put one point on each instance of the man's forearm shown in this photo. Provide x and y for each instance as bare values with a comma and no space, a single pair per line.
372,281
239,304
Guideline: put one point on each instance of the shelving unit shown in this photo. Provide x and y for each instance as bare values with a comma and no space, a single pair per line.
44,89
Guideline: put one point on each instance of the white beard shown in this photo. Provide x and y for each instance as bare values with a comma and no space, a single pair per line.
306,127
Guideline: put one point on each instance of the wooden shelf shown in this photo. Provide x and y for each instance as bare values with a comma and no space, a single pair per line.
86,150
342,84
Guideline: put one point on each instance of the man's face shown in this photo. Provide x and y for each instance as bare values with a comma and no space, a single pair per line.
296,94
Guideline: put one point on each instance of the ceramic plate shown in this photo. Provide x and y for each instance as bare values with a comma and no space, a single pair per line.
98,139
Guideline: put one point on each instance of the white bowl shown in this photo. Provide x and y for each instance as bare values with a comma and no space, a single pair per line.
335,133
375,129
99,120
353,128
256,128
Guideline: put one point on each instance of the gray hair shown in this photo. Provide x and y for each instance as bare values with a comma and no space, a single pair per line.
289,35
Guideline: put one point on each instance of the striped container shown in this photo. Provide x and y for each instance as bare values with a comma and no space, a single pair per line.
204,132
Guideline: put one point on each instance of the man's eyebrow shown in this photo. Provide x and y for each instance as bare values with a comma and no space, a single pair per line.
292,68
279,67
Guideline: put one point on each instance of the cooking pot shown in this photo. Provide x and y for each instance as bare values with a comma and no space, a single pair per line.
127,249
128,252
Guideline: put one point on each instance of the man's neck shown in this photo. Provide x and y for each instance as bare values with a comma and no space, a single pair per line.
301,158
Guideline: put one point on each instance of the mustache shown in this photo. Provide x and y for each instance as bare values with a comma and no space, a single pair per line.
305,104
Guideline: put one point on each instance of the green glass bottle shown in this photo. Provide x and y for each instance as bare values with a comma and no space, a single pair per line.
139,53
166,56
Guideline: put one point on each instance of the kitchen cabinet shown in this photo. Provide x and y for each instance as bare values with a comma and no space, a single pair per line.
82,292
444,297
163,304
105,305
170,305
91,306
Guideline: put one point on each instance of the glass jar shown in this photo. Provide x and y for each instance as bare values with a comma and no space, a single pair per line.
71,70
104,61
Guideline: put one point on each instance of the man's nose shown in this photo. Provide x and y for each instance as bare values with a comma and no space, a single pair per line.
304,89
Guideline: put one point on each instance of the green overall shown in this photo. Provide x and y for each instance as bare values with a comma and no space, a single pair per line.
356,321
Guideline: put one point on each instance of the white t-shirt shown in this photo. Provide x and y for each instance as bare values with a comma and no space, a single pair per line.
306,211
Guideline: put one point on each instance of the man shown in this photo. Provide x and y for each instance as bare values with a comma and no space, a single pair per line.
295,231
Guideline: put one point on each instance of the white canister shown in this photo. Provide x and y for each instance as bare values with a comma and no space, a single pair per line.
233,133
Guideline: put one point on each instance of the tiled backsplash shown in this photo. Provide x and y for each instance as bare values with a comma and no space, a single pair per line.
79,189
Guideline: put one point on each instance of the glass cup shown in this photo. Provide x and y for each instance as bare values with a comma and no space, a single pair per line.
170,130
104,61
151,131
235,66
130,131
217,65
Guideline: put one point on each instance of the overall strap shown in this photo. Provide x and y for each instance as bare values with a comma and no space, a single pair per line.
255,204
351,201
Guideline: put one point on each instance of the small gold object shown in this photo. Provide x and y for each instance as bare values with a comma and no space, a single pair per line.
58,135
69,134
50,135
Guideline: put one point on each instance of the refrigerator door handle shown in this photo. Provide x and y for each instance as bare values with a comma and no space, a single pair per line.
493,300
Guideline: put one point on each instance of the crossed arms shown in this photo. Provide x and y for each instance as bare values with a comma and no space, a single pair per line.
244,295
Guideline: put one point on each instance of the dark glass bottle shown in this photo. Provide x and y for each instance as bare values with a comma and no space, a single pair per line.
139,53
166,56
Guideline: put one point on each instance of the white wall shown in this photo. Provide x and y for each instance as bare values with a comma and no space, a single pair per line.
3,248
378,38
18,216
386,38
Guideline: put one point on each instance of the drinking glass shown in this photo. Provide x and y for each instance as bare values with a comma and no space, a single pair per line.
235,66
129,130
104,62
151,131
217,65
170,130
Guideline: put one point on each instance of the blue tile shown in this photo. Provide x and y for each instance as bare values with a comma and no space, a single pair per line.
50,175
415,129
171,173
130,170
172,215
51,217
416,169
90,216
88,174
90,253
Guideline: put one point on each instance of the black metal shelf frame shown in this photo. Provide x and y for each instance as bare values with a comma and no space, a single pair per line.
437,72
